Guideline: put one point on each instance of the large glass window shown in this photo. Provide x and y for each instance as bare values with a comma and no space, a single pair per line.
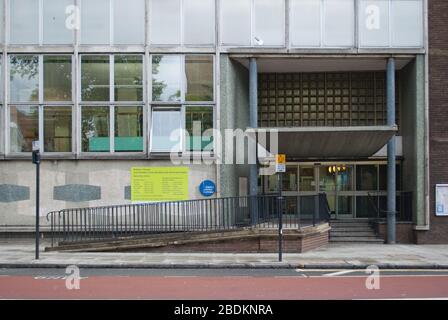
128,77
182,80
166,78
199,22
307,180
95,22
57,129
128,129
374,23
23,78
129,21
95,126
305,23
366,177
55,30
198,122
23,127
24,22
57,78
165,22
270,22
407,23
166,127
339,23
127,119
236,22
95,78
199,74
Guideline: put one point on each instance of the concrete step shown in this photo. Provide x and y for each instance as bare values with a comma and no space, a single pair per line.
350,225
351,229
356,239
353,234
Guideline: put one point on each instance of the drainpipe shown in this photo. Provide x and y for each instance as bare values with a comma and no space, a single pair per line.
391,152
253,122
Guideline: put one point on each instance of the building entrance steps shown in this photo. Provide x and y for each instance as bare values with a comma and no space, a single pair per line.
353,230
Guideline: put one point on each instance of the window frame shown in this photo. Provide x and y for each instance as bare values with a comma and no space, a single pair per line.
181,105
41,104
252,43
111,103
182,43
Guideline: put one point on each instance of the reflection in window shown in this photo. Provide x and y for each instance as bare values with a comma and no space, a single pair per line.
128,129
166,133
24,78
366,178
199,75
166,78
57,78
95,78
290,179
95,129
128,77
307,181
24,127
197,121
57,129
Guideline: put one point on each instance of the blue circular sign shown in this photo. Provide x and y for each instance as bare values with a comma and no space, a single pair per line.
207,188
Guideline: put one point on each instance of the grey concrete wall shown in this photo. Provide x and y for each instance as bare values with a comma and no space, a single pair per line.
412,79
73,184
234,114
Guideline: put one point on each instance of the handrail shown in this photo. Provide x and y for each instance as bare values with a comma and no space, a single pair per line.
214,214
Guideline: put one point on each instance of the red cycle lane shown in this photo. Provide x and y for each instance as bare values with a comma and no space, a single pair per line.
222,288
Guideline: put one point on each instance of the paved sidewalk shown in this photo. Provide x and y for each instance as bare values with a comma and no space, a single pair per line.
20,254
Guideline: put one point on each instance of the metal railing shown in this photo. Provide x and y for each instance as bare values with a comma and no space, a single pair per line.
216,214
404,206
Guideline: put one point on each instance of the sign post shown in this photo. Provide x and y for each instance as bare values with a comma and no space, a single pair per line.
280,167
36,161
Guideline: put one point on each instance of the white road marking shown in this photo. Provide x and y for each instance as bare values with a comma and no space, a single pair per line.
339,273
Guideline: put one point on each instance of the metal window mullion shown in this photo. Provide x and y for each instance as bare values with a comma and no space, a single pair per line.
41,127
5,110
112,104
146,100
41,100
182,127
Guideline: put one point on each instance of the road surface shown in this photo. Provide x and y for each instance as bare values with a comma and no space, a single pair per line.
222,284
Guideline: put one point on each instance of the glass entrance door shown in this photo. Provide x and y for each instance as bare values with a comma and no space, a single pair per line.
337,183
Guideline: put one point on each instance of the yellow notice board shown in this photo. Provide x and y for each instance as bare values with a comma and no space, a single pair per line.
159,183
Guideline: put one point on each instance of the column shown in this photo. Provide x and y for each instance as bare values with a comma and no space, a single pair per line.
391,152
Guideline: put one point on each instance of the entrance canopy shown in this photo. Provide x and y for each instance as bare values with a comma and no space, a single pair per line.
327,142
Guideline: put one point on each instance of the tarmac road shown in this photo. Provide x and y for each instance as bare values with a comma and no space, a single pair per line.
223,284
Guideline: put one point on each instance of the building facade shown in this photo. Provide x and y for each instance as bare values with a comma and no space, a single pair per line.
106,85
